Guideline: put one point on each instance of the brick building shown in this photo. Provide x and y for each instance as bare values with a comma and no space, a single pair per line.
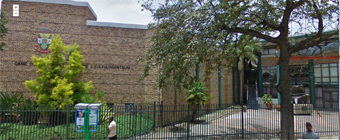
110,51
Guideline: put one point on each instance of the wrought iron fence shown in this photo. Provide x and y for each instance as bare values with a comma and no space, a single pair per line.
160,121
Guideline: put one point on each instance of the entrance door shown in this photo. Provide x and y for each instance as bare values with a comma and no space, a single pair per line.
252,96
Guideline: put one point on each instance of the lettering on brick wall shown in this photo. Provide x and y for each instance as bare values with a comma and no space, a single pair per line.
23,63
109,67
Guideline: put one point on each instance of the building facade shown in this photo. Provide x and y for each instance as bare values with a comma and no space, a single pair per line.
110,51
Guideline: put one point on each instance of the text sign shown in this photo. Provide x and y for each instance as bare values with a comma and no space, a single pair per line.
80,120
93,117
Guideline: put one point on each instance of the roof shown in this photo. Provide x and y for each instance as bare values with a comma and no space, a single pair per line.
67,2
117,25
302,36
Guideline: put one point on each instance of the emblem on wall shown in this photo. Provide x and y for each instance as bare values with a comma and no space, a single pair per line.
44,41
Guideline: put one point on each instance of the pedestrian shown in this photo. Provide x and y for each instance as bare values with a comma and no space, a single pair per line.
310,134
112,129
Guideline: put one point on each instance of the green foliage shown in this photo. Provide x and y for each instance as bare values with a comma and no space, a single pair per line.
105,113
9,99
97,99
3,29
57,82
267,99
140,124
135,125
196,94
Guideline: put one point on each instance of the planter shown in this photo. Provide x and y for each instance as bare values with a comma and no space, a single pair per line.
278,107
269,106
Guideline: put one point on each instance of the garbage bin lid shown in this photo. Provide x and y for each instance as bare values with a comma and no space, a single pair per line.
95,105
81,105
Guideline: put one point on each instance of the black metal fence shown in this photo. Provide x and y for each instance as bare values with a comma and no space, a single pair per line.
164,122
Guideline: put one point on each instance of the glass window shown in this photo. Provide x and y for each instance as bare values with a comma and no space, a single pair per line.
325,72
335,96
334,71
318,80
271,51
317,72
317,65
128,107
334,80
265,51
325,80
325,65
334,64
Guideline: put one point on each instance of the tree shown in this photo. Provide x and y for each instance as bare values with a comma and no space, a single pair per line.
187,32
3,29
58,76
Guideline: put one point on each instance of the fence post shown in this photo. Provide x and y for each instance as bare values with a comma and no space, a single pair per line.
67,121
242,121
162,123
130,121
188,123
154,115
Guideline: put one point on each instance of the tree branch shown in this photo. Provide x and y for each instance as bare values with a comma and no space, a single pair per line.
251,33
299,3
312,41
266,23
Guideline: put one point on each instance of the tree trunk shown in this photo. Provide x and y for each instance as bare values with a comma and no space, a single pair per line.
194,107
287,118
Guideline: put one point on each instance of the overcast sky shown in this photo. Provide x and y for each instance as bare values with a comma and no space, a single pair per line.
120,11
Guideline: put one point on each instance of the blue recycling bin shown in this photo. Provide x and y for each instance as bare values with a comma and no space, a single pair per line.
80,117
94,117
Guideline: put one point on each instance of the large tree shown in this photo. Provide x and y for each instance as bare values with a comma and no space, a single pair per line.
187,32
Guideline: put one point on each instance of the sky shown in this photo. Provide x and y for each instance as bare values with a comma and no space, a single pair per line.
120,11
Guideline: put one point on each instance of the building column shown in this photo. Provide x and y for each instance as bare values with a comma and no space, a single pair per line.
278,80
259,69
311,82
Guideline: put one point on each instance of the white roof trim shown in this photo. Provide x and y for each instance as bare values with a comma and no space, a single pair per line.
117,25
67,2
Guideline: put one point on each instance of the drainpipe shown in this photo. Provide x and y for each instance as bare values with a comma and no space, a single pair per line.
259,69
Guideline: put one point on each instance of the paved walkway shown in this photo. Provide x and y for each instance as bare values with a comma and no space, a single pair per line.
256,126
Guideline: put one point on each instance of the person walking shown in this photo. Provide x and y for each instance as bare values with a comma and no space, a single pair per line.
310,134
112,129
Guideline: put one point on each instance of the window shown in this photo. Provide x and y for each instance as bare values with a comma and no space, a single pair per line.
129,107
326,74
269,51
